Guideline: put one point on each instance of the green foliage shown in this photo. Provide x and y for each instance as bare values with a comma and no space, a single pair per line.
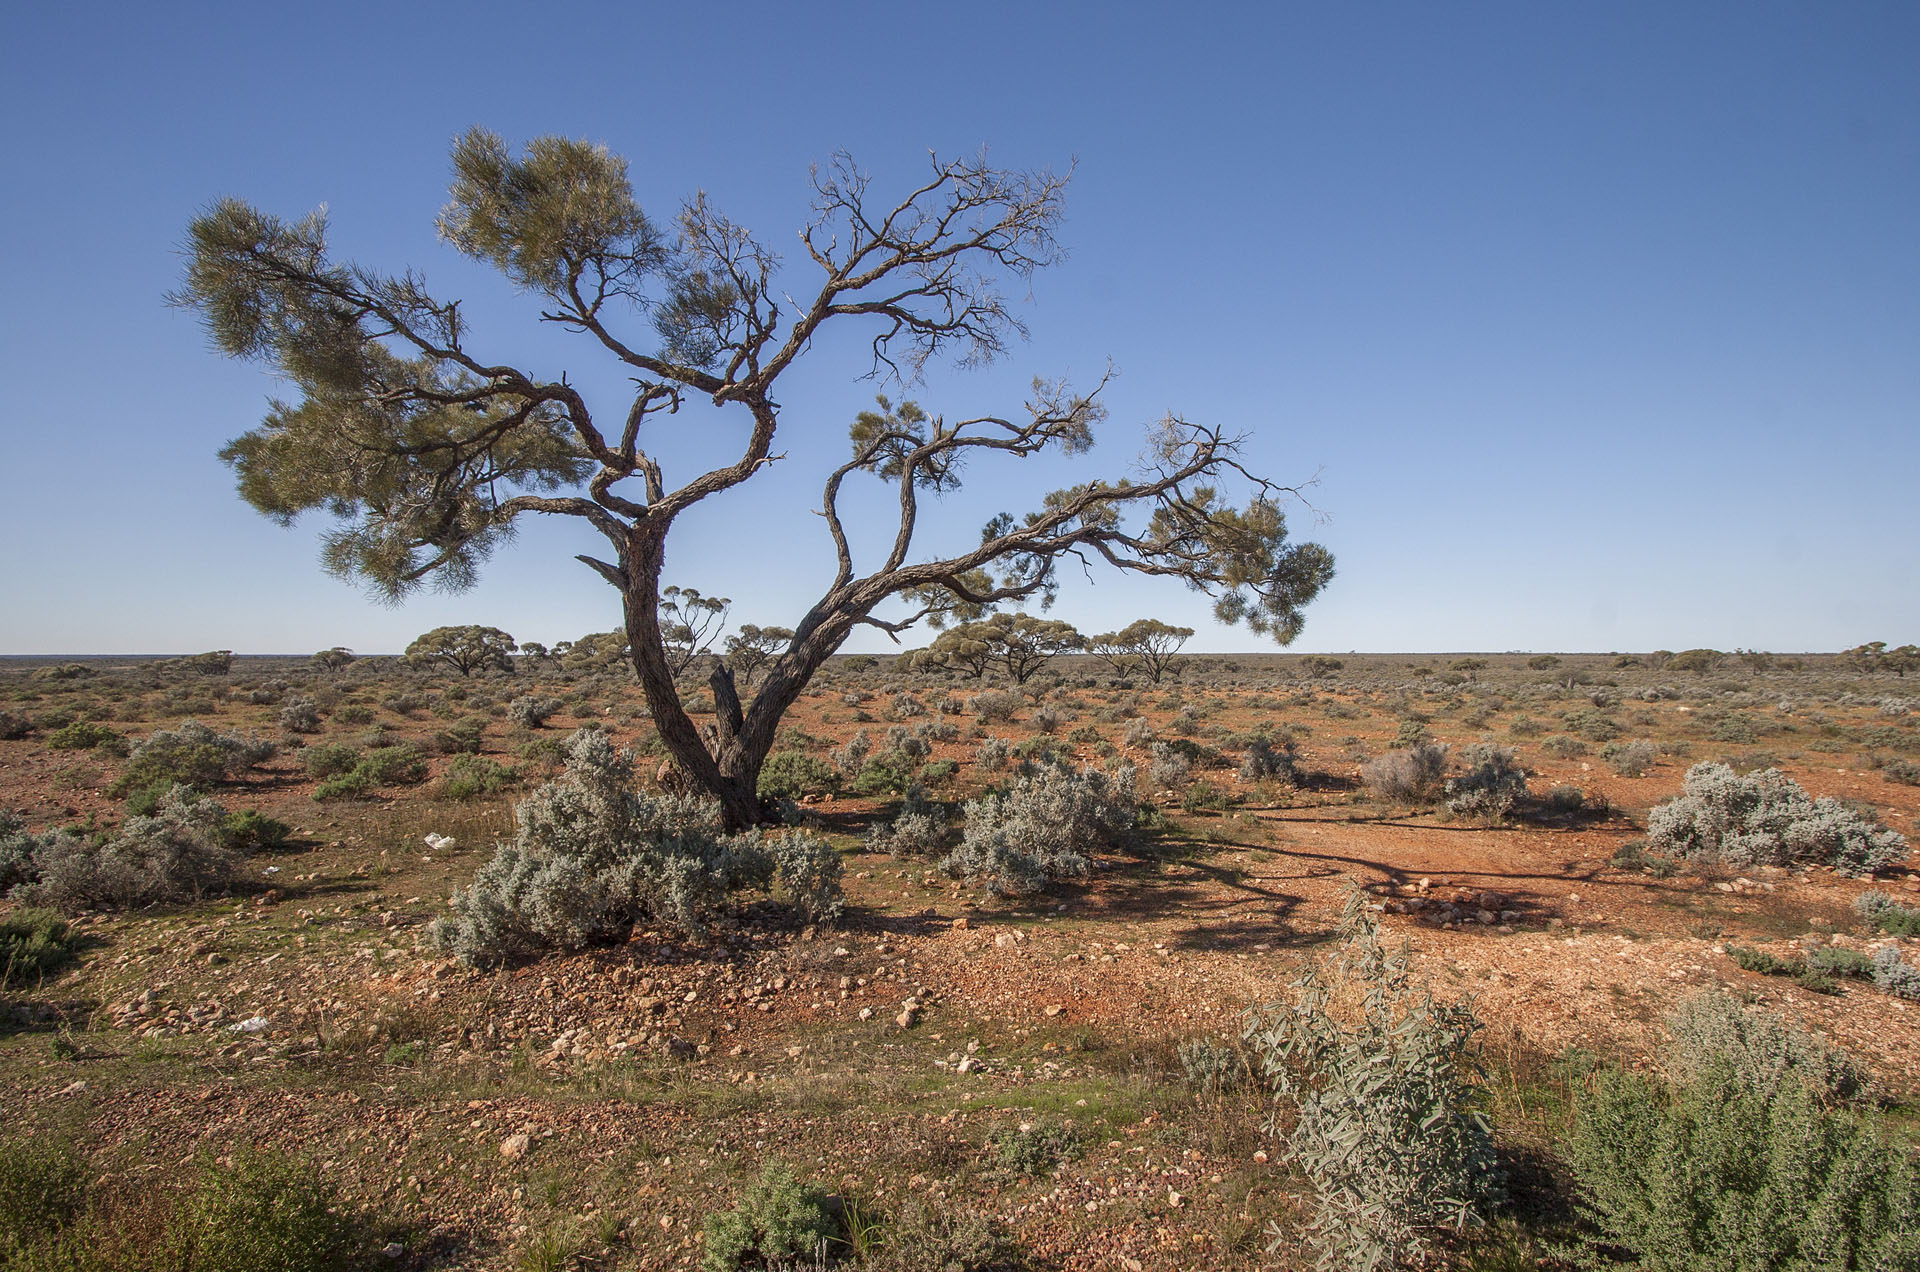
1490,785
1764,1051
1018,644
1723,1173
329,759
399,765
1630,759
808,869
777,1218
532,711
1562,747
33,944
466,648
83,735
791,774
1415,773
1145,646
179,853
1387,1091
1033,1148
462,738
475,776
251,830
922,1238
191,755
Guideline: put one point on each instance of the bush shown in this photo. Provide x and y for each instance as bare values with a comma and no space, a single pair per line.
1168,769
250,830
83,735
1387,1092
778,1218
1630,759
1413,773
1032,1149
531,711
1266,761
1492,783
590,857
33,943
463,738
1762,1049
300,716
923,1239
1894,974
996,706
180,853
1905,772
329,759
1721,1173
791,774
919,829
1211,1066
992,754
474,776
1043,828
1887,915
192,755
808,869
849,758
1767,819
14,726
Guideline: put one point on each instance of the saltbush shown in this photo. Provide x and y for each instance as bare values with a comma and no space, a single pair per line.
1886,914
329,759
180,853
919,829
532,711
1491,784
14,726
83,735
1413,773
301,715
1168,768
591,856
475,776
192,755
1630,759
1767,819
1267,760
1763,1049
33,944
924,1239
1044,827
1894,974
791,774
1386,1083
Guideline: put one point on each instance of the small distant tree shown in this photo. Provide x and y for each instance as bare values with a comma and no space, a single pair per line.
1145,646
689,622
467,649
752,648
1697,661
1756,661
1543,662
534,651
335,659
1018,644
215,662
426,447
1318,665
599,651
1470,667
1874,656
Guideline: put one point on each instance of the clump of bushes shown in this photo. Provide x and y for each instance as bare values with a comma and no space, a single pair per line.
14,726
1492,783
591,856
779,1220
300,715
1762,1049
1386,1083
1894,974
1042,828
1169,767
191,755
532,711
1766,818
475,776
1413,773
1886,914
399,765
181,852
919,829
84,735
329,759
1746,1161
1267,760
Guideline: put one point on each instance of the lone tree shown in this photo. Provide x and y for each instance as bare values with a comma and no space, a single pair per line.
1019,644
467,649
1145,646
425,446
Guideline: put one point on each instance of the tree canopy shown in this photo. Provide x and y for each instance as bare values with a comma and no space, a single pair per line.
466,649
423,447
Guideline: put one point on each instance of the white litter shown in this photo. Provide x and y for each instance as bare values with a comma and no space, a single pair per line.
252,1024
437,841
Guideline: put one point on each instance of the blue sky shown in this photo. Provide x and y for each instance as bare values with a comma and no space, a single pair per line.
1599,325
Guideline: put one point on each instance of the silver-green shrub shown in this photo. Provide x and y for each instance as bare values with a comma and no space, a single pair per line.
532,711
1894,974
1044,827
918,830
992,754
1266,760
808,869
1768,819
1387,1086
1491,784
1414,772
300,715
1168,769
179,853
1762,1049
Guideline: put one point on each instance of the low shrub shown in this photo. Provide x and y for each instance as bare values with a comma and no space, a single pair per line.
591,856
791,774
461,738
14,726
329,759
84,735
301,715
1042,828
476,776
777,1219
532,711
1267,761
1413,774
1492,783
33,944
1719,1172
1169,767
992,754
919,829
1212,1066
1762,1049
180,853
1032,1149
1767,819
922,1238
996,706
1386,1084
192,755
1894,974
1630,759
1887,915
250,831
1562,747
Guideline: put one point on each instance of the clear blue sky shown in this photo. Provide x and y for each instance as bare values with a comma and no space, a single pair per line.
1599,323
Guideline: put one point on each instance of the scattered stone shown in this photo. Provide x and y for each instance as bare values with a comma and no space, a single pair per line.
515,1147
